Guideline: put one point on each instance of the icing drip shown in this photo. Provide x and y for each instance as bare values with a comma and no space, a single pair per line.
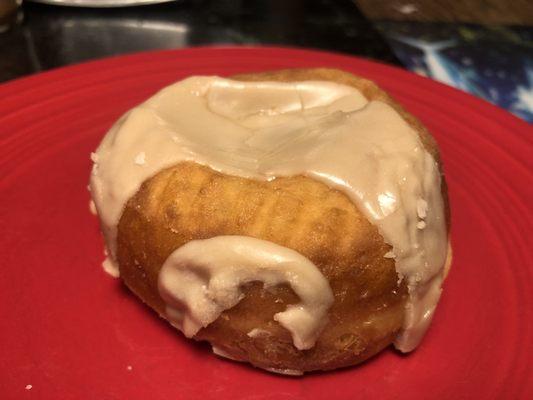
204,277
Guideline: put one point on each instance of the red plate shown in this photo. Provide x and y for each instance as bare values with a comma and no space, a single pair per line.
71,331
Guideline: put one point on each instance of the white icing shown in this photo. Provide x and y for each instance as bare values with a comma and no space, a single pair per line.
221,353
389,254
202,278
284,371
421,208
264,130
111,267
256,333
92,208
140,159
448,263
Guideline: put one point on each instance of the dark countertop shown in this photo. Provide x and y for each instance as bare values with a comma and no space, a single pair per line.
43,37
490,60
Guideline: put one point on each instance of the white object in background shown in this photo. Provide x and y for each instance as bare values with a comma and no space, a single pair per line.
101,3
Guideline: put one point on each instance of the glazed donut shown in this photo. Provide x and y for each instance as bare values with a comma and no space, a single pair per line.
297,220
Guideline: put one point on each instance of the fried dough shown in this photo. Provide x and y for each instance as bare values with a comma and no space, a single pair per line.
189,201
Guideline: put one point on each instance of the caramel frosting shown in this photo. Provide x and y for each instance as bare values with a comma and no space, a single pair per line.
204,277
263,130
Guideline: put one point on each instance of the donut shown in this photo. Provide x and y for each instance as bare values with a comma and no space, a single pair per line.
297,220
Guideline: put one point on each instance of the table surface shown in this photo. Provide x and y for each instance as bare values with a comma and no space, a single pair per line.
494,62
48,36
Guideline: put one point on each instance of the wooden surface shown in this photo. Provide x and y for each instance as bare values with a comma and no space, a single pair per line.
490,12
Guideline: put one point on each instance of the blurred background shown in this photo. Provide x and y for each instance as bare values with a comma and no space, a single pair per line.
484,47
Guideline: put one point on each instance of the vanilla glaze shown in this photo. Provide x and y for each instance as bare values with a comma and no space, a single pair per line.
220,266
263,130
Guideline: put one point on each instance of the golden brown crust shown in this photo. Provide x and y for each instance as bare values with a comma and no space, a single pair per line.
189,201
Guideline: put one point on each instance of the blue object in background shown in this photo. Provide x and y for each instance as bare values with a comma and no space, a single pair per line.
495,64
